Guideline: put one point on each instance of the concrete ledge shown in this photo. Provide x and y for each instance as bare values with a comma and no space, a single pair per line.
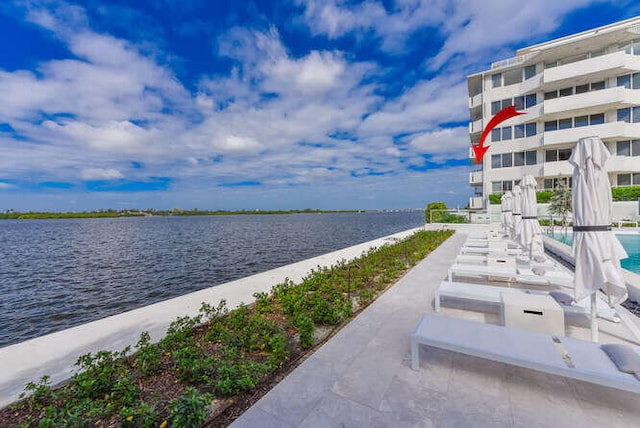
55,354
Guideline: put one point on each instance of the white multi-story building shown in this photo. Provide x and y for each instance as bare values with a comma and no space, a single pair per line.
580,85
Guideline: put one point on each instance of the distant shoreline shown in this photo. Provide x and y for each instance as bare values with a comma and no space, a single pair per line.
42,215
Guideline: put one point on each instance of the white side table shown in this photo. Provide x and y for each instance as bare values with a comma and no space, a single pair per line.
532,312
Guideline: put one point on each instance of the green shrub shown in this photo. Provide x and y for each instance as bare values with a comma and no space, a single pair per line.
190,409
148,358
495,198
433,206
306,328
235,377
627,193
544,196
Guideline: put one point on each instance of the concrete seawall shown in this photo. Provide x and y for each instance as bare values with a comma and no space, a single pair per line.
55,354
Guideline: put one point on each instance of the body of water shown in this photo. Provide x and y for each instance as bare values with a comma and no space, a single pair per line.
55,274
630,242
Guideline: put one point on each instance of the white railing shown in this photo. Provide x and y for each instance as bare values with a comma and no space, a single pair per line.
475,177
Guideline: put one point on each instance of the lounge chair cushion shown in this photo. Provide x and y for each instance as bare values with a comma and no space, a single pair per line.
625,358
561,298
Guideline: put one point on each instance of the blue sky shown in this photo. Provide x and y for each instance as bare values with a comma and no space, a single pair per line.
253,104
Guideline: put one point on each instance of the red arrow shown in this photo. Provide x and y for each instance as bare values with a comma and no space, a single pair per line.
501,116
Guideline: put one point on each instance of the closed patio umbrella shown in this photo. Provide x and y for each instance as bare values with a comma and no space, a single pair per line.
517,213
530,230
506,206
596,250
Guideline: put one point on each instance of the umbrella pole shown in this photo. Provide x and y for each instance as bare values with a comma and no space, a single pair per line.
594,318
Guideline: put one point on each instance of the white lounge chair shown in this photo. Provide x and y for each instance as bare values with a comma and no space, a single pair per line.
491,294
483,259
563,356
512,273
487,250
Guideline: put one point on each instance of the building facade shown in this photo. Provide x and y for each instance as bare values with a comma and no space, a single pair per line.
581,85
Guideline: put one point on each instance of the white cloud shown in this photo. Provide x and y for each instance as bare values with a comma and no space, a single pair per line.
4,185
100,174
284,119
443,144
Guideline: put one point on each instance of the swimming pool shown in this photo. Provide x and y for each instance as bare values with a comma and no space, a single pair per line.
630,242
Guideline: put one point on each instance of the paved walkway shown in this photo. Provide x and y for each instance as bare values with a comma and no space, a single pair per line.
361,377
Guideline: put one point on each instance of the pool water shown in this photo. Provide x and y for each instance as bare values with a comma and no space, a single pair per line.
630,242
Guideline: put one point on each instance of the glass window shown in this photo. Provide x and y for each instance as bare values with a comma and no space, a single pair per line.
551,125
636,47
518,131
519,103
496,80
594,54
550,155
565,123
623,148
495,134
496,186
635,114
495,107
530,129
506,103
530,100
636,178
596,86
596,119
635,81
564,154
529,71
495,161
512,77
566,92
518,159
550,95
506,133
581,89
506,160
550,64
531,157
624,115
635,148
507,185
626,47
581,121
624,81
624,179
548,183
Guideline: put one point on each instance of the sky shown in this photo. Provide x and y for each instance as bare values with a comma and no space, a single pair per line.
263,104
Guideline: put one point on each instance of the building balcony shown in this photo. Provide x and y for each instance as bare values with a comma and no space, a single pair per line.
591,69
475,101
606,131
554,169
475,126
533,113
475,203
623,164
475,177
590,102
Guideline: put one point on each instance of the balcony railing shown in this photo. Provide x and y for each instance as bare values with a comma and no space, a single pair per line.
475,203
611,130
554,169
596,100
475,177
592,67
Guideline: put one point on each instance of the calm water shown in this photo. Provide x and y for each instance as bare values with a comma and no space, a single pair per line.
55,274
631,244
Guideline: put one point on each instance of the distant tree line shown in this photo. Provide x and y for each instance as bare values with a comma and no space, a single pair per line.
18,215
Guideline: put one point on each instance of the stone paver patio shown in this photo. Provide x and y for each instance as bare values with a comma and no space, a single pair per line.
362,376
